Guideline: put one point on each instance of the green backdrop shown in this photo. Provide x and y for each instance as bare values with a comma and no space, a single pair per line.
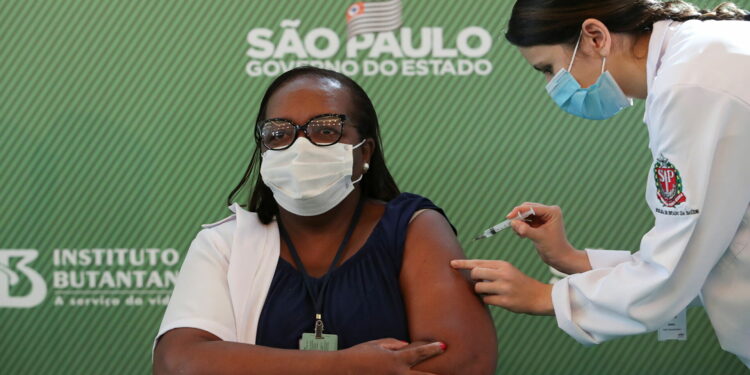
124,125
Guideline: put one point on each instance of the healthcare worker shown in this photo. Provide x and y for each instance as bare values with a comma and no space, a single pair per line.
693,69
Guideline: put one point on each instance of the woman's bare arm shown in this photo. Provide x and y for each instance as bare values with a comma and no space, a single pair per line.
441,303
194,351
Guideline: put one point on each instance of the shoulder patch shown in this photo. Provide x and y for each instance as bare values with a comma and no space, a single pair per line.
668,183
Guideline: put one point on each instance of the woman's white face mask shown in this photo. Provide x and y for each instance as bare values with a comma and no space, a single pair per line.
309,180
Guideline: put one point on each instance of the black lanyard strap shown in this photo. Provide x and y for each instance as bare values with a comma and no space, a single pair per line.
318,299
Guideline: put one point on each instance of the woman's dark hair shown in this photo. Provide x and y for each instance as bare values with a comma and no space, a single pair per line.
377,183
545,22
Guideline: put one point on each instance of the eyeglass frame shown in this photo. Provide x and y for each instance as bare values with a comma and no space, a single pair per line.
297,128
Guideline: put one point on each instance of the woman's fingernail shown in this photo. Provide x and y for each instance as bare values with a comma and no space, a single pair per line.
443,346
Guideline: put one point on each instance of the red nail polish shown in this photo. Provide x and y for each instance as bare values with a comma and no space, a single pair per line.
443,346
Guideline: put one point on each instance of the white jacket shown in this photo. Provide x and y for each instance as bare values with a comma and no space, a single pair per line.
225,278
698,189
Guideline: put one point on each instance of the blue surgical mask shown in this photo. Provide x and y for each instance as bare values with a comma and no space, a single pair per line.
600,101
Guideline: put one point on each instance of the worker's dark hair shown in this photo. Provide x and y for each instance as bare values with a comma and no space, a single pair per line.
545,22
377,183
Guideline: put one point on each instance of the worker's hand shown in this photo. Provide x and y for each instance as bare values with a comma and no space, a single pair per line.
501,284
547,231
388,356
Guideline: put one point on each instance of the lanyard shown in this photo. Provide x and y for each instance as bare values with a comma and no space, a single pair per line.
318,299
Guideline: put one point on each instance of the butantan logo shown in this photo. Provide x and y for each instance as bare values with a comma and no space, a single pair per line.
386,53
10,278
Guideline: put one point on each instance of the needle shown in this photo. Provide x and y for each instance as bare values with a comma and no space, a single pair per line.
504,225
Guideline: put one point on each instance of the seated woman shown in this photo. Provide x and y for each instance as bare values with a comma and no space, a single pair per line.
329,256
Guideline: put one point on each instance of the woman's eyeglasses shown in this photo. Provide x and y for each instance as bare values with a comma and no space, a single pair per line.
321,130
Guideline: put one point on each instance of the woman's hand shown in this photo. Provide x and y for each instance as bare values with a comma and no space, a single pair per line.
501,284
547,231
387,356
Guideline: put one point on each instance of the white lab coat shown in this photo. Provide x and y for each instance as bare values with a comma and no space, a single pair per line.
225,278
698,189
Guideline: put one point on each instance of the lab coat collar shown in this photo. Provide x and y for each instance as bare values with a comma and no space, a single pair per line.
235,208
657,45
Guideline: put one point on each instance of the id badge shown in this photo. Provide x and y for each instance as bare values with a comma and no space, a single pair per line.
325,342
675,329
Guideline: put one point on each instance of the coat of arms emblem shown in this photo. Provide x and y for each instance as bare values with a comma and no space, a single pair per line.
668,183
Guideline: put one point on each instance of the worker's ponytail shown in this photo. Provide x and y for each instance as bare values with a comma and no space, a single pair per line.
544,22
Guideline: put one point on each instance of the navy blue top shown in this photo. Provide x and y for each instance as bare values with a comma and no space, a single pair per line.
363,298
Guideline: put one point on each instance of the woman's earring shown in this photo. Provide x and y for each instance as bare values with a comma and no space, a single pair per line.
366,167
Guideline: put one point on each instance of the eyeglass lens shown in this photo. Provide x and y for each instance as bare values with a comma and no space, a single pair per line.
322,131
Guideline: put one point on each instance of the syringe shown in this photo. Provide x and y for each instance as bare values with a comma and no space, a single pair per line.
504,225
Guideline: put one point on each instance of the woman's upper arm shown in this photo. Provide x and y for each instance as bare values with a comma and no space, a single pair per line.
440,301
